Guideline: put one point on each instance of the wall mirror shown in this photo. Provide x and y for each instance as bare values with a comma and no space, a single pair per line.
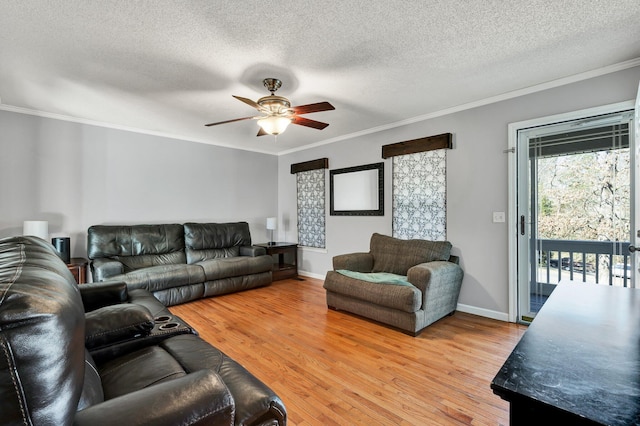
357,191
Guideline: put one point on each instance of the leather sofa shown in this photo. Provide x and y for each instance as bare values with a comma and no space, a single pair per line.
103,355
407,284
178,263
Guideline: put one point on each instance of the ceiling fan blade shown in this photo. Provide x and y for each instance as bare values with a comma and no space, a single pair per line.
317,107
261,132
229,121
301,121
248,102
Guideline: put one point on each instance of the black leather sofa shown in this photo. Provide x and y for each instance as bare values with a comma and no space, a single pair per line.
178,263
102,354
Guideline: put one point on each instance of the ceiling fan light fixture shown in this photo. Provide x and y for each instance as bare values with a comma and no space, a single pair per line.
274,125
274,104
277,112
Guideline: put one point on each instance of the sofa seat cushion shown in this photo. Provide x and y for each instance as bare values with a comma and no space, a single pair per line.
132,263
406,298
131,372
156,278
216,269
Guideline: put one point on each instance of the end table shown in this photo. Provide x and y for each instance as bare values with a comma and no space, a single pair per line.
78,267
285,259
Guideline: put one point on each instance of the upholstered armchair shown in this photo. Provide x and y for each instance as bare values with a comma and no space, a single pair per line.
407,284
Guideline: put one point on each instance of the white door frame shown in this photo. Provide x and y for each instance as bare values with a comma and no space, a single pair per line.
513,184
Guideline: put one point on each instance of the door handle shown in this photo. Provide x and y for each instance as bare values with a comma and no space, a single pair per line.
522,226
633,248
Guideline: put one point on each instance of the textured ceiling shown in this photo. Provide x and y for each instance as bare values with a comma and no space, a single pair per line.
170,66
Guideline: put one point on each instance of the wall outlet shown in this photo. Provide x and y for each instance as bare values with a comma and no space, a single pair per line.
498,217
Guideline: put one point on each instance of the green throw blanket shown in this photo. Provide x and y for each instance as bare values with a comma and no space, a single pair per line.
376,277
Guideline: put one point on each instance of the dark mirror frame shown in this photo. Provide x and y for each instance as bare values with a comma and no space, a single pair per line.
380,192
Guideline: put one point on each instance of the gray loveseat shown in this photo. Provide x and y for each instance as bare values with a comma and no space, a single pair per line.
407,284
178,263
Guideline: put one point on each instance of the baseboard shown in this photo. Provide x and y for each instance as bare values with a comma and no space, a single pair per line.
311,275
501,316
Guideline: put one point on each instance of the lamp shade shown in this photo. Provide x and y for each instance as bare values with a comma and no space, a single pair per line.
36,228
271,223
274,125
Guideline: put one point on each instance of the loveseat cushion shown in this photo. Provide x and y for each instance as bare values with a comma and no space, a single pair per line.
187,354
215,240
132,263
397,256
138,370
157,278
216,269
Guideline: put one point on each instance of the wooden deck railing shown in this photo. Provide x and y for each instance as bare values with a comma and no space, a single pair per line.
589,261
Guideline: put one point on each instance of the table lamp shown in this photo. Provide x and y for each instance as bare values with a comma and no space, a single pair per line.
36,228
271,225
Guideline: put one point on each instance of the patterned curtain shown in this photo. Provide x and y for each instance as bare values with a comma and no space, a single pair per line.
311,208
419,196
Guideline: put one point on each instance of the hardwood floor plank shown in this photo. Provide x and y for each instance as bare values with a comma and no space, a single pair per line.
334,368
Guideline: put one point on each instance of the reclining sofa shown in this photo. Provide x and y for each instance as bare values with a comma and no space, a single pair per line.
178,263
407,284
100,354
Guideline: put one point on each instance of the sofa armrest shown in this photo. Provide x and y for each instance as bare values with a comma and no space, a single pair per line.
98,295
252,251
439,282
357,262
198,398
101,269
116,323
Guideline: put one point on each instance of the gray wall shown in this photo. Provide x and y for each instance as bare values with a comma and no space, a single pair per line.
77,175
477,183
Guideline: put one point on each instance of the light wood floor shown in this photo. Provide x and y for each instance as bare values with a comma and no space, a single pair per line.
332,368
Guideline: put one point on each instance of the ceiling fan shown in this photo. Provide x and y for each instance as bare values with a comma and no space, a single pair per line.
278,112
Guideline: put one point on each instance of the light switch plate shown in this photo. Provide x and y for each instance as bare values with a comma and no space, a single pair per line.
498,217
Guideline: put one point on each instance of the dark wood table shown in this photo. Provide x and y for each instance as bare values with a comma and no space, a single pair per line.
579,361
285,259
78,268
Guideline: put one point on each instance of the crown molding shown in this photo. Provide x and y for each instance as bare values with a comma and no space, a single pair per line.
61,117
621,66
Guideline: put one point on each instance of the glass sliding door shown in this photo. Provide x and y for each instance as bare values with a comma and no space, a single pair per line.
574,206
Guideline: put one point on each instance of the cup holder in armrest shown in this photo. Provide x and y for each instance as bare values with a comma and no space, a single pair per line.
169,326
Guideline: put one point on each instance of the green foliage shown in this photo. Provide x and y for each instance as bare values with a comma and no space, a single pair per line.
584,196
546,206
